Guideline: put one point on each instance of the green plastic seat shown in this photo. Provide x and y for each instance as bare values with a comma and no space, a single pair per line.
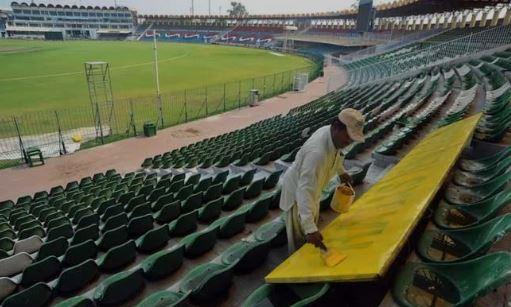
247,177
462,216
113,238
163,263
461,195
471,179
198,243
243,161
230,225
17,214
463,244
485,162
246,256
220,177
213,192
153,240
234,200
119,288
193,179
77,277
64,230
263,159
5,226
175,186
207,282
118,257
168,212
77,301
192,203
257,210
115,222
203,185
231,184
45,212
140,210
273,232
29,225
358,174
41,271
6,244
34,231
290,157
84,234
8,233
81,214
184,193
162,201
211,210
254,189
163,183
38,295
156,194
164,299
56,222
140,225
185,224
453,284
105,205
85,221
272,180
56,247
112,211
79,253
294,295
134,202
275,201
145,190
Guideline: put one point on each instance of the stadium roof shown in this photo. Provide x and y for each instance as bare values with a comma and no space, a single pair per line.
65,6
421,7
398,8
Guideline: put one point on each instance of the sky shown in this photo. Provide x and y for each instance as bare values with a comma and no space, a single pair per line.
202,6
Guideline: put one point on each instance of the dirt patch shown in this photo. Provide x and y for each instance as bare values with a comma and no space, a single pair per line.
186,133
17,49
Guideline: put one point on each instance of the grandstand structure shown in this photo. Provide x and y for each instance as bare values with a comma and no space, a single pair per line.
3,21
396,24
200,225
69,22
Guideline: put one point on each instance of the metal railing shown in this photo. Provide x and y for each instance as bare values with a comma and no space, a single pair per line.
394,42
423,55
61,131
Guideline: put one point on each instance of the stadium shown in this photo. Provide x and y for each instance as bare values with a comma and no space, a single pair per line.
357,157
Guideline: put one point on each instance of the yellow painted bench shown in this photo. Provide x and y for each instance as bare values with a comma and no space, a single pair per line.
372,233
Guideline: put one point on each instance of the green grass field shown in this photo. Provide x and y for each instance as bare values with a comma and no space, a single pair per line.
39,75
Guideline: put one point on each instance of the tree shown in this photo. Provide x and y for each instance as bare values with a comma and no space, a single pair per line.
355,5
237,10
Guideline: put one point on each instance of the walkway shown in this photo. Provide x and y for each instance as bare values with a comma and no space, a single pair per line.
127,155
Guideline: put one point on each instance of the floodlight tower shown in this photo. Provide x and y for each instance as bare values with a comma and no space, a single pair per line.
289,44
101,97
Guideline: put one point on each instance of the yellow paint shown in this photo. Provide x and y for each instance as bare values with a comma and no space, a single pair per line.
372,233
332,257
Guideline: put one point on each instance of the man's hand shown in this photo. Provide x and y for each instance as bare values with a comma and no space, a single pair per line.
315,239
346,178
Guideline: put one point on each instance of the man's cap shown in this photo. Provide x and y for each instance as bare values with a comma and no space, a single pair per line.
354,121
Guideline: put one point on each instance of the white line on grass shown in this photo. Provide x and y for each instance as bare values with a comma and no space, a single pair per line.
81,72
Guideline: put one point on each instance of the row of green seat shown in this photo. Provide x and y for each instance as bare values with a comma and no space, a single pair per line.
455,270
122,286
